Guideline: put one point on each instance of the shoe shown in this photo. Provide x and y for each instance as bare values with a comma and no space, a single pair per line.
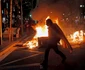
63,61
43,66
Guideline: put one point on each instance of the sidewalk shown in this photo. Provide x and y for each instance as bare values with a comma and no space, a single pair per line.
6,45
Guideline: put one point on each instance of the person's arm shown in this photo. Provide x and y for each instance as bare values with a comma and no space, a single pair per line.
61,35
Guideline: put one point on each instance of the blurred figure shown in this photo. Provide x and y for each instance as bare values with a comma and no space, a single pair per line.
54,36
27,26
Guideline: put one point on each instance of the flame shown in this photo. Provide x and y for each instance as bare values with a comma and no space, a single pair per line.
74,39
77,37
57,21
31,44
47,17
42,31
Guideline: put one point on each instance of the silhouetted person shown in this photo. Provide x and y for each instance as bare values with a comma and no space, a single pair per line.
54,36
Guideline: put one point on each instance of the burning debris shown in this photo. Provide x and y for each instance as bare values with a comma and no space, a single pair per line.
77,37
33,43
42,33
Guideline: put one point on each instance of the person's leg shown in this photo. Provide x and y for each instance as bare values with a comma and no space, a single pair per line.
55,48
45,61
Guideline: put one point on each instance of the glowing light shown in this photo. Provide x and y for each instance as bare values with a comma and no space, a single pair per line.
77,37
48,17
41,31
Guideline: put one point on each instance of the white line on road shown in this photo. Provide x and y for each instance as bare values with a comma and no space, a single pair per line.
21,66
35,51
21,59
5,54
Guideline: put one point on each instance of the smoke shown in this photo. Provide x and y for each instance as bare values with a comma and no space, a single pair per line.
55,9
46,8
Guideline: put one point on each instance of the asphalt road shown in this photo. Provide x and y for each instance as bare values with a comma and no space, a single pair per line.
24,59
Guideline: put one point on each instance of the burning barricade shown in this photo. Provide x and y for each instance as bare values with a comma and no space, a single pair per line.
42,34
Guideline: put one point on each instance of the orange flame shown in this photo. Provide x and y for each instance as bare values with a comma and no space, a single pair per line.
77,37
42,31
48,17
57,21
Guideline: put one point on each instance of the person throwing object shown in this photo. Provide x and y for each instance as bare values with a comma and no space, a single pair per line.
54,36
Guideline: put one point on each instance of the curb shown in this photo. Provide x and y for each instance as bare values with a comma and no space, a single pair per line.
10,46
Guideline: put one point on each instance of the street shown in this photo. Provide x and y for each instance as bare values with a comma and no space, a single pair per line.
23,58
27,26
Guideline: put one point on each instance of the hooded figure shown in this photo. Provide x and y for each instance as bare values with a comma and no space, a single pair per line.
54,36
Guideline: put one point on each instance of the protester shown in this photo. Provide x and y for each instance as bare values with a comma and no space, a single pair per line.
54,36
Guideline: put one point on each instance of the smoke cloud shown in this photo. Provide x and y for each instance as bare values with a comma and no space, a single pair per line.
58,9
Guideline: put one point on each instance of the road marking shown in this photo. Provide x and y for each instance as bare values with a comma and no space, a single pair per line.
4,55
21,66
21,59
35,51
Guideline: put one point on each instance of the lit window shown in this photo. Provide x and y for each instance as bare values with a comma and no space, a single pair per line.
30,15
81,5
2,11
84,17
3,0
7,16
81,13
3,19
63,14
13,15
6,5
13,8
27,5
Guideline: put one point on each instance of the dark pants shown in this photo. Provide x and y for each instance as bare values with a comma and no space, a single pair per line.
53,46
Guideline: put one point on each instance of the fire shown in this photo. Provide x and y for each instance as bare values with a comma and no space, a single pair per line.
57,21
31,44
42,31
77,37
48,17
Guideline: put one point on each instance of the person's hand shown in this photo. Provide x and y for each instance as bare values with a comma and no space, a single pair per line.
71,50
